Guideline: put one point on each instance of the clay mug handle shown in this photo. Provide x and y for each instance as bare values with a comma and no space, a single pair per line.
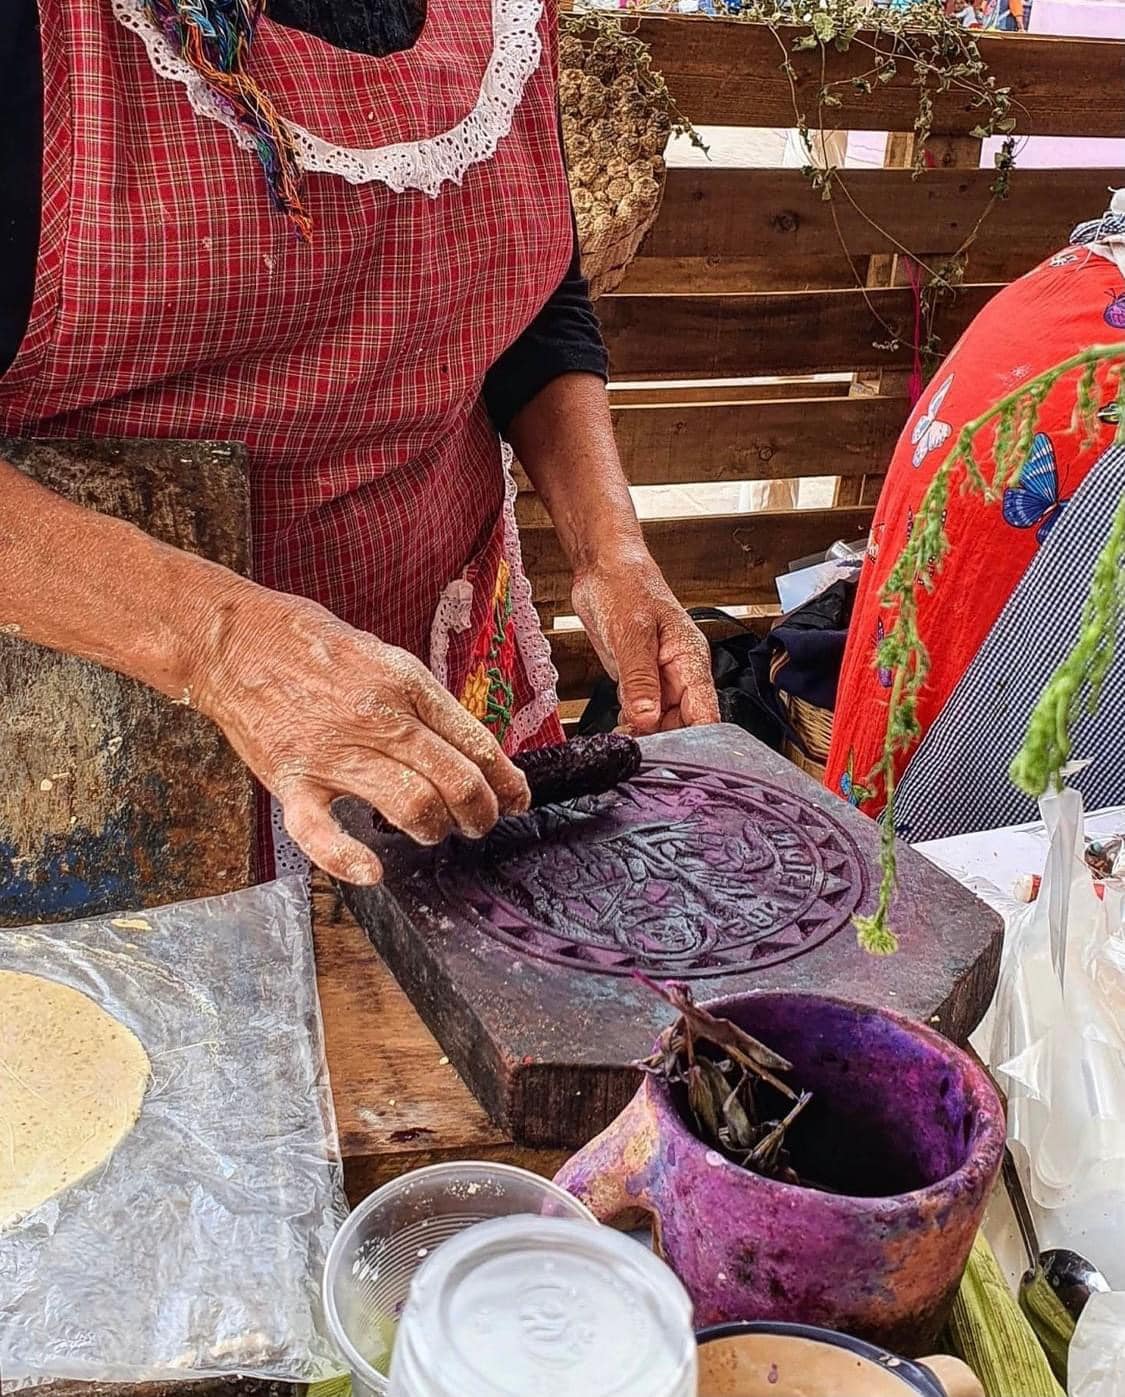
956,1378
611,1174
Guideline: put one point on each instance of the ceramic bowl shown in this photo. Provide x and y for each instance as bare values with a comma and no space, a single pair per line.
799,1360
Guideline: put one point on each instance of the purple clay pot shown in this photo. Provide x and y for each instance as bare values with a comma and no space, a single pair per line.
905,1127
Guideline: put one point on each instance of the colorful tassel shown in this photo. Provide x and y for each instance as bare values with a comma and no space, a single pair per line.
214,36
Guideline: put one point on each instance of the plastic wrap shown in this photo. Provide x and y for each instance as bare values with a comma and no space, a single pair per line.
197,1248
1057,1046
1096,1362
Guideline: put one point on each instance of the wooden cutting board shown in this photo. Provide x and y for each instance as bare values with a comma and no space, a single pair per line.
722,865
110,795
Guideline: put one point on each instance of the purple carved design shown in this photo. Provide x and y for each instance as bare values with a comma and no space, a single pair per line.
686,872
721,863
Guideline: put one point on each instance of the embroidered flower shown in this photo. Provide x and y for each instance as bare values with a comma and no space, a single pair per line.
474,696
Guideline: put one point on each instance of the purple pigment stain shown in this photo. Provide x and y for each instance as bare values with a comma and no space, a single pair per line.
773,1375
684,872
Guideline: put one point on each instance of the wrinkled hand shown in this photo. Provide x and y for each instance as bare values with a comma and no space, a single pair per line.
648,644
317,710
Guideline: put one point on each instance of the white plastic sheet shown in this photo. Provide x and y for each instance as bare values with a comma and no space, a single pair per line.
197,1249
1096,1366
1056,1042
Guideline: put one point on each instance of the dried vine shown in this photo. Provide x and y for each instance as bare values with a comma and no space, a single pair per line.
941,57
1077,681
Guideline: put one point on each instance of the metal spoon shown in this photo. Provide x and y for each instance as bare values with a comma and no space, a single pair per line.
1054,1290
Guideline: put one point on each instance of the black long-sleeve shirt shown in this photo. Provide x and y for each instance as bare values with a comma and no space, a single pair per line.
564,337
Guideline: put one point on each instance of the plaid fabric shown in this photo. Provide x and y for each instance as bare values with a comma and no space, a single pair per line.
1110,225
173,302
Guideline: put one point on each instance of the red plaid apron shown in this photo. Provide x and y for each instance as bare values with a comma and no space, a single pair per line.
171,301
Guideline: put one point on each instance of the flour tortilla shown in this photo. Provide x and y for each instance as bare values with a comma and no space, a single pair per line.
72,1079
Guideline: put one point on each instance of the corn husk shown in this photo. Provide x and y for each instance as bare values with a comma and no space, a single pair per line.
989,1332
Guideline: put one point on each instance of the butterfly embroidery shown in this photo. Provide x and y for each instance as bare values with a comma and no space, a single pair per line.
852,793
873,542
1115,312
884,673
1063,259
1034,503
929,431
1111,413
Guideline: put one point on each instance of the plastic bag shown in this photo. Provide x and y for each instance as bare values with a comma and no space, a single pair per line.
197,1249
1096,1362
1057,1046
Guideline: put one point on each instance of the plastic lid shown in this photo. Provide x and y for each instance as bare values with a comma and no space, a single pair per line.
546,1306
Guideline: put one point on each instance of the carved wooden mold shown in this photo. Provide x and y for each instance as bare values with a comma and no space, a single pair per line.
721,864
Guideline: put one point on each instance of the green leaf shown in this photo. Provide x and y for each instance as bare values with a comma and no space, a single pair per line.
824,26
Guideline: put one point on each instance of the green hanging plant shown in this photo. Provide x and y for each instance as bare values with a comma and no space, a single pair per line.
1076,684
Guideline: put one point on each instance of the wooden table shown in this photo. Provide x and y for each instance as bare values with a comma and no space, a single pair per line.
399,1104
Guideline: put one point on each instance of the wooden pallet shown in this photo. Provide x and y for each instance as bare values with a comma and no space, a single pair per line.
744,276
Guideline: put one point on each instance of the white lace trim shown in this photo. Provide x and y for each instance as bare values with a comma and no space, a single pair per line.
424,165
533,647
454,614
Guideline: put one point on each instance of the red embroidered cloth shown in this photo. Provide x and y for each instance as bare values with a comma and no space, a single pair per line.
1070,301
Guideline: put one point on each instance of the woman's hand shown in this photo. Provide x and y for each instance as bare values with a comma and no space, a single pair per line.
318,710
315,709
647,642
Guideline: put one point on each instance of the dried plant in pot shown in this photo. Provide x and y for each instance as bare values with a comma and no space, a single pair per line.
617,117
837,1177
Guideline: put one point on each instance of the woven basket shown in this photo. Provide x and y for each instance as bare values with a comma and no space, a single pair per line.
615,141
812,725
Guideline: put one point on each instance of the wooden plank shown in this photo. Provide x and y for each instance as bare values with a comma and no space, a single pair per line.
661,394
729,73
823,331
199,1387
580,669
399,1104
726,230
717,560
112,796
782,440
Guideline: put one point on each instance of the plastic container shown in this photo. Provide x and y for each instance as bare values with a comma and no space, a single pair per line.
545,1307
388,1237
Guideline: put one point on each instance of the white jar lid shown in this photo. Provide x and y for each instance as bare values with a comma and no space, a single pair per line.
545,1307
